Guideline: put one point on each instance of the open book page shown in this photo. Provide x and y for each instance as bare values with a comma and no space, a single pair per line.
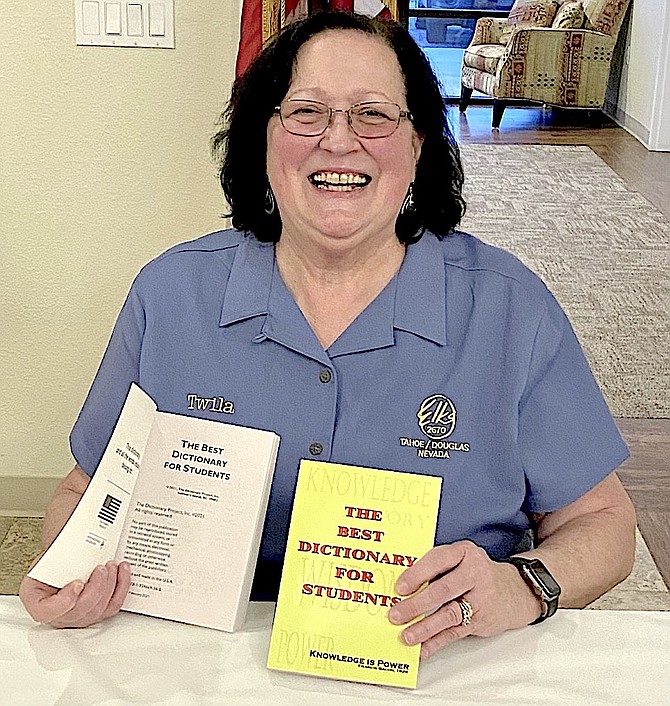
194,527
91,535
183,500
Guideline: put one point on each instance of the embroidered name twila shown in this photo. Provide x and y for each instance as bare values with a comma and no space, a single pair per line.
211,404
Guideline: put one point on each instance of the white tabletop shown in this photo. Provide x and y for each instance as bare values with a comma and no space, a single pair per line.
577,657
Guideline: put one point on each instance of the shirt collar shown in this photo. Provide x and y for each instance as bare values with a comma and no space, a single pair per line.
255,288
372,328
286,324
418,310
248,290
420,302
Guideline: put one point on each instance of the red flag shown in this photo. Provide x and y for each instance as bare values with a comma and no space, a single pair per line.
251,34
259,17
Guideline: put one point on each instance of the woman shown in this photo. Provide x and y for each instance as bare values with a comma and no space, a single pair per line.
347,315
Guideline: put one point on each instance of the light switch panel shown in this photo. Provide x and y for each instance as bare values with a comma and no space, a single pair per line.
135,20
113,18
90,18
157,19
125,23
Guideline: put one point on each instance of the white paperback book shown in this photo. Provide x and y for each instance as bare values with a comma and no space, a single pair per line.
181,499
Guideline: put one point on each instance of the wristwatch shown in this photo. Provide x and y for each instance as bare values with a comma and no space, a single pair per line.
541,582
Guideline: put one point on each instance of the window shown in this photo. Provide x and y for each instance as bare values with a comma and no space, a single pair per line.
443,28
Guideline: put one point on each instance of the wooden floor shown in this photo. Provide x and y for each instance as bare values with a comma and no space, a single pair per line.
646,474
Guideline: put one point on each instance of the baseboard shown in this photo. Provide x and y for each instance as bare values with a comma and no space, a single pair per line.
25,496
627,122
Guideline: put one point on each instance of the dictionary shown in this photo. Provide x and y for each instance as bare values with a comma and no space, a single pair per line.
353,531
183,500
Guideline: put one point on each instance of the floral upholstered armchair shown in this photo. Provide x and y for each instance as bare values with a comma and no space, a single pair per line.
548,51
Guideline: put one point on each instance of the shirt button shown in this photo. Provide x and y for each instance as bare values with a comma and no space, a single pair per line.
325,375
315,449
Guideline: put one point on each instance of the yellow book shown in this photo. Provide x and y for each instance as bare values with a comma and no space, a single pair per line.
353,532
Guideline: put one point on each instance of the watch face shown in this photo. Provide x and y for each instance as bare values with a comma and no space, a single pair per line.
544,580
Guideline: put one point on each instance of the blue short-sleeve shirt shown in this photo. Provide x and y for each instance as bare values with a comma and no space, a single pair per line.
464,367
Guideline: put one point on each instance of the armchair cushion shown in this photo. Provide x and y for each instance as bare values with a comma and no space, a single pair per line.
488,30
570,15
484,57
529,13
604,16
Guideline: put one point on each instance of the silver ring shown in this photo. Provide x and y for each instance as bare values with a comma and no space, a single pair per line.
466,611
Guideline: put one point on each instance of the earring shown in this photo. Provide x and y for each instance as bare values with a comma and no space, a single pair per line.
408,204
270,203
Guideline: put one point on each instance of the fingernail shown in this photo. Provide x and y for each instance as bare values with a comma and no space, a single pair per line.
401,587
393,616
77,587
408,637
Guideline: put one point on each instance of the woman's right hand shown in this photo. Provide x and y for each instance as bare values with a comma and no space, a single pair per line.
78,604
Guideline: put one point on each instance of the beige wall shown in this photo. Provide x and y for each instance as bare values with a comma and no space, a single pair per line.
104,163
640,105
659,137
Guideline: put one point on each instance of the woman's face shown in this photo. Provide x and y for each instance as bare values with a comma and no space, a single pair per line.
341,68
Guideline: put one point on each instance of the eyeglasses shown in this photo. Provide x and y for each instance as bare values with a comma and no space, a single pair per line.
370,119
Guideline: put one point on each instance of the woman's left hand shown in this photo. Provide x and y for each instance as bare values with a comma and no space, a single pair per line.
499,597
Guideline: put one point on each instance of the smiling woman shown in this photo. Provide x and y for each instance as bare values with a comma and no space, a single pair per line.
263,96
352,158
346,314
351,213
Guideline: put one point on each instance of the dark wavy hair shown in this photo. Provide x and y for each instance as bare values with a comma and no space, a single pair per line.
239,147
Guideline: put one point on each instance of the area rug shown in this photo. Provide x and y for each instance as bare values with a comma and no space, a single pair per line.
601,248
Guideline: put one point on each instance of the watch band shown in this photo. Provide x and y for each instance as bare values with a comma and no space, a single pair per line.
541,582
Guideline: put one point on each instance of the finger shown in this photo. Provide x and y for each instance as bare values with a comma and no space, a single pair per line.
96,613
123,580
448,616
46,603
446,637
435,562
436,594
88,598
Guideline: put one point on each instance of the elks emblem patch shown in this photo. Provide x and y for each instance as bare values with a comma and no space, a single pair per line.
436,418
